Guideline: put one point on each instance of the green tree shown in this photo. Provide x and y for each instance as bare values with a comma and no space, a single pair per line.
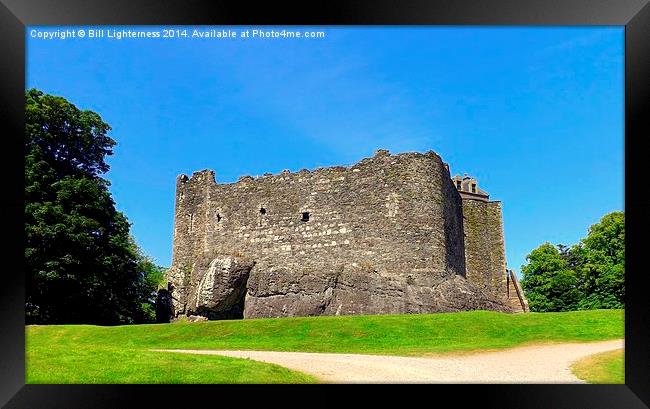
588,275
548,282
81,264
154,279
601,270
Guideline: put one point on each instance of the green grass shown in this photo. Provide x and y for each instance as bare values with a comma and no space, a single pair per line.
84,353
607,367
106,365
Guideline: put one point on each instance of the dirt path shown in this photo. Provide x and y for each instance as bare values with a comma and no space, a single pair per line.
530,364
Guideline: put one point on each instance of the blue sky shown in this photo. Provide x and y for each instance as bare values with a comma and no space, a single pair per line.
534,113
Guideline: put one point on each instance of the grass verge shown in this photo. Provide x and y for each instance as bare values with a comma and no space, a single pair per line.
607,367
67,363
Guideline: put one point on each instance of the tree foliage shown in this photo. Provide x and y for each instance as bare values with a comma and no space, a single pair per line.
588,275
82,266
602,266
549,283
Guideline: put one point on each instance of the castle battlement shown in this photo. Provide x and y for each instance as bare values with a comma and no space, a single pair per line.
208,174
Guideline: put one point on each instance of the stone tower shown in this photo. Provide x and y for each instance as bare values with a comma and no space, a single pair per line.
485,256
389,234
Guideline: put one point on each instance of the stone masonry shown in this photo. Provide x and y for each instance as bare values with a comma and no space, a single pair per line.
389,234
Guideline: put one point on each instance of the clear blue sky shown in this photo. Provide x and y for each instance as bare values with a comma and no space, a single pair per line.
536,114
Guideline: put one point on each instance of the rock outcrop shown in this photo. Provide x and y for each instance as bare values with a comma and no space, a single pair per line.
282,293
214,288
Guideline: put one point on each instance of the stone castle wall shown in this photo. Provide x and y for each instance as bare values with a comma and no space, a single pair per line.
385,235
485,256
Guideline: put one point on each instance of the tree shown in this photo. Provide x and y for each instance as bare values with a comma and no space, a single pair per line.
548,282
81,263
588,275
154,279
602,263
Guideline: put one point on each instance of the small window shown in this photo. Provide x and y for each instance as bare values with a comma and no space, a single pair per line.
458,182
305,217
473,187
218,218
262,211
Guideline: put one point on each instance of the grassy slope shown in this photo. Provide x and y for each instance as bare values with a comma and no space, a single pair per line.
116,365
607,367
56,357
87,353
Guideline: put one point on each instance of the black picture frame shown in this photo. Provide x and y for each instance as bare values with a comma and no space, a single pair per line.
633,14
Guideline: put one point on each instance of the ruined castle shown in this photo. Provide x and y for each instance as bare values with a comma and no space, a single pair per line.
394,233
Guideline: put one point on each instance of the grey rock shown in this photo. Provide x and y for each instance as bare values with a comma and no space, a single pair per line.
214,288
196,318
357,292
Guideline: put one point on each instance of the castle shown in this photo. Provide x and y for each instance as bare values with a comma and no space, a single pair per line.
394,233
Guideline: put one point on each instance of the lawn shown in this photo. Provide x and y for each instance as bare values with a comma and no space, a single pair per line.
69,362
91,354
607,367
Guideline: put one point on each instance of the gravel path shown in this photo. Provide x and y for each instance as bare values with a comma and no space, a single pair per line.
529,364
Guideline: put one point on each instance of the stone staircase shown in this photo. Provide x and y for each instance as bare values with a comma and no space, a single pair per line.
515,293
